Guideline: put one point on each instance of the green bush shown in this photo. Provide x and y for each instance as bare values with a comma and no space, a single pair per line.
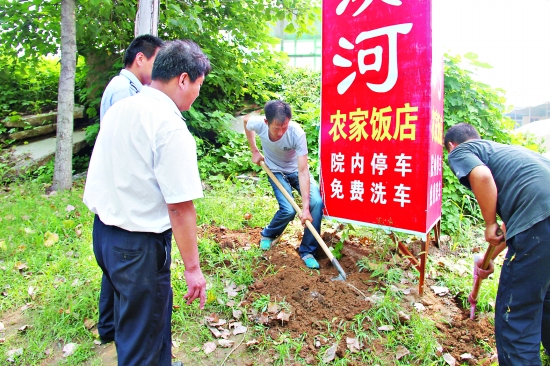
471,101
28,90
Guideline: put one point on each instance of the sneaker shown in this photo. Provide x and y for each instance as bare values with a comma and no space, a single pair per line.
310,261
265,243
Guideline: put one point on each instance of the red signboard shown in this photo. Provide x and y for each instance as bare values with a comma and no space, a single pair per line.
382,114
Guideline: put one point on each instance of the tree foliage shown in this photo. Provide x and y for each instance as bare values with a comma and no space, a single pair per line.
469,100
234,34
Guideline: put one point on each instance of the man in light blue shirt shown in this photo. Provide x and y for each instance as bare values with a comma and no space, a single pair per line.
138,65
138,61
142,197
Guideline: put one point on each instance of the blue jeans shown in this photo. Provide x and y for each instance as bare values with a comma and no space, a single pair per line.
522,312
286,212
137,265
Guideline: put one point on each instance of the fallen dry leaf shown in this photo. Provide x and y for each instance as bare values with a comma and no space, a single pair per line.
215,332
31,292
247,216
24,328
1,326
252,342
225,343
466,356
440,290
20,266
263,318
219,323
225,333
231,290
419,307
310,359
272,308
386,328
449,359
439,349
354,345
12,353
237,314
69,349
89,323
239,330
401,352
330,353
69,208
209,347
283,316
50,239
212,318
403,318
282,339
196,349
234,324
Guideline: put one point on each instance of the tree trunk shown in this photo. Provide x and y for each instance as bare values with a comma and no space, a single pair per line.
62,175
147,18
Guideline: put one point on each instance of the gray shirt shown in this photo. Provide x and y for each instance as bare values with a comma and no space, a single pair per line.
522,178
280,156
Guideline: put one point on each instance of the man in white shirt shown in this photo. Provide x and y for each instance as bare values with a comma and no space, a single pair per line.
138,61
142,180
138,65
284,148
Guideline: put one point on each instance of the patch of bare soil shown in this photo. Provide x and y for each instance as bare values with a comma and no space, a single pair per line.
317,302
231,239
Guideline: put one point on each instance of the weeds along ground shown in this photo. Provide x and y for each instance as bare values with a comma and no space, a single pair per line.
49,283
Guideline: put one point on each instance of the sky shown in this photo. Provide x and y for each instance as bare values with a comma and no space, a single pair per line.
513,36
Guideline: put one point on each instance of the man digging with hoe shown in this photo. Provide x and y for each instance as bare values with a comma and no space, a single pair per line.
285,149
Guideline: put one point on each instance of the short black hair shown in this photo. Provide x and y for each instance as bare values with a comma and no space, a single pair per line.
146,44
277,111
179,56
460,133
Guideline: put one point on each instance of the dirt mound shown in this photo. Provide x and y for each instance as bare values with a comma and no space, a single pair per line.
317,302
231,239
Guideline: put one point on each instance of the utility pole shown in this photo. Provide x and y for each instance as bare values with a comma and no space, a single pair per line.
147,18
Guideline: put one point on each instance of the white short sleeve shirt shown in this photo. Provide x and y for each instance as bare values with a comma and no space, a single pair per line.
282,155
144,158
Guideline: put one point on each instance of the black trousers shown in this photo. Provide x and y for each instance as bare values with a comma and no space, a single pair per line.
522,314
137,265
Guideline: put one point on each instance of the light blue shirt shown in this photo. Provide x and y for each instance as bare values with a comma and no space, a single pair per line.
121,86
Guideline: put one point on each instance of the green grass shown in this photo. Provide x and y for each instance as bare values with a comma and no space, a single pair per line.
47,265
